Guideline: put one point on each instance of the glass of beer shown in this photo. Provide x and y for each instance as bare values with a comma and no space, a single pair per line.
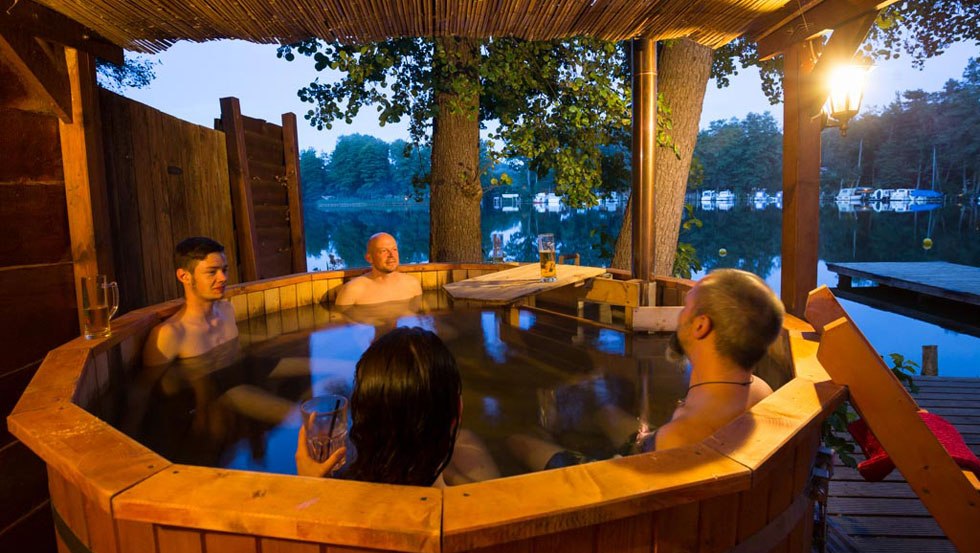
546,253
497,254
325,420
100,301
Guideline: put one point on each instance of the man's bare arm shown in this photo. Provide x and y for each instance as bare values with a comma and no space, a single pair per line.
348,293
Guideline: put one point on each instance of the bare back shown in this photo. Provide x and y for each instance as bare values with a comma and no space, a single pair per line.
707,409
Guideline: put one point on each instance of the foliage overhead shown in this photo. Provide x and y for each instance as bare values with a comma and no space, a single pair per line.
135,72
922,29
558,103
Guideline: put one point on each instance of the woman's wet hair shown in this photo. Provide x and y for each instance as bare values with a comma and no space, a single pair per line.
405,409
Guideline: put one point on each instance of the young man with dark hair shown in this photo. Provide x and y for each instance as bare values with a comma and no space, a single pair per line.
205,321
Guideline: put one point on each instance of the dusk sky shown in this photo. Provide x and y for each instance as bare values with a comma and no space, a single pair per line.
192,77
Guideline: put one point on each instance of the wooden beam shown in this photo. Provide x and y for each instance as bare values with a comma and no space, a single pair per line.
84,167
40,69
41,22
839,49
801,183
241,189
810,20
294,189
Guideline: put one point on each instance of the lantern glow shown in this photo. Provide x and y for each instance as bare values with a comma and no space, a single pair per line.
846,90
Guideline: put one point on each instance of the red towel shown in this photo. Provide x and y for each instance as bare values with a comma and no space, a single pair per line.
879,465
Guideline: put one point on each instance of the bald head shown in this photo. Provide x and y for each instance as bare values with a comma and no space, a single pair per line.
382,253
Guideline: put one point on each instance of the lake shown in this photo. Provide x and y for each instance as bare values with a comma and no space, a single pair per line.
743,235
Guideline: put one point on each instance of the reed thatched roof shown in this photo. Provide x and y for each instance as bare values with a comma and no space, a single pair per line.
153,25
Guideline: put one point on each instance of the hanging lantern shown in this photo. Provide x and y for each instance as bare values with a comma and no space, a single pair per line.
846,91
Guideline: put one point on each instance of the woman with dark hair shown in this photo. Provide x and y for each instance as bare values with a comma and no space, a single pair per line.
405,411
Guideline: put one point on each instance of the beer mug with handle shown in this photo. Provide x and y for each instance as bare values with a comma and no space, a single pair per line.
100,301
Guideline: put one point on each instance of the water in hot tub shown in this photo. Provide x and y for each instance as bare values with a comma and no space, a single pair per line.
536,374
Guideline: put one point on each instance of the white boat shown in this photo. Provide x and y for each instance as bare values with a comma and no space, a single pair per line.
708,196
881,195
900,195
725,196
858,194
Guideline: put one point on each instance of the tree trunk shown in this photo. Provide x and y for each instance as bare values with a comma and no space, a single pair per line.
682,78
454,203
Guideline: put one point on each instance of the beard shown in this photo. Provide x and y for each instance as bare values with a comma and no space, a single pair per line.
675,351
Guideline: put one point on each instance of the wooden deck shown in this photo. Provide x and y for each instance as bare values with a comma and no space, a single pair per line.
870,517
959,283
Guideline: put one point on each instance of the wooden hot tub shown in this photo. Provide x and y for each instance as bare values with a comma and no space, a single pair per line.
111,494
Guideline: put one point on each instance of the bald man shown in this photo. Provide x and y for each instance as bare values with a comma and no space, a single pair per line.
383,283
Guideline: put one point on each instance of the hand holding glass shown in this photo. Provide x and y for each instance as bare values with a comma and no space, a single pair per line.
325,425
100,301
546,252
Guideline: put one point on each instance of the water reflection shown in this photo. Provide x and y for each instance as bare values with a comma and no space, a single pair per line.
748,233
238,408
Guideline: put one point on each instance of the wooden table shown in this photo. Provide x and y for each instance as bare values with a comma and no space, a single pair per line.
509,286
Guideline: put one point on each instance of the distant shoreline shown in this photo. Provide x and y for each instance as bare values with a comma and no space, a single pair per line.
355,203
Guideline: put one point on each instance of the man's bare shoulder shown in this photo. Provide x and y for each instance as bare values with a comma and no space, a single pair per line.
163,343
352,290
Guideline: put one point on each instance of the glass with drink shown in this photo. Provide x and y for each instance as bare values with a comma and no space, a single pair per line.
546,252
497,256
325,421
100,301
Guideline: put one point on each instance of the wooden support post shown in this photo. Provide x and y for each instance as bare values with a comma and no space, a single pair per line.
84,167
801,182
241,188
644,155
930,360
294,189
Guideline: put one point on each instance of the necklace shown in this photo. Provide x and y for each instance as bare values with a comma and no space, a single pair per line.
736,383
681,402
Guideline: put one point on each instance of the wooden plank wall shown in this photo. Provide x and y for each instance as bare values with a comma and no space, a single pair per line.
167,180
270,173
37,295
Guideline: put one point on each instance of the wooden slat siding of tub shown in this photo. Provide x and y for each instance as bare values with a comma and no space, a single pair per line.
485,514
271,545
101,528
67,501
333,512
777,439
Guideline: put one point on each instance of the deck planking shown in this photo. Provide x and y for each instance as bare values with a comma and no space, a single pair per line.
960,283
887,516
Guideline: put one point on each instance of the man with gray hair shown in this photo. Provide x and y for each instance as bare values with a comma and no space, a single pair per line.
729,320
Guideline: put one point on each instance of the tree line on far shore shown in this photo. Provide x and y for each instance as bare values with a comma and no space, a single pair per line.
889,147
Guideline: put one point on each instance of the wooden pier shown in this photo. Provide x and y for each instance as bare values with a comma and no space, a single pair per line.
958,283
871,517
